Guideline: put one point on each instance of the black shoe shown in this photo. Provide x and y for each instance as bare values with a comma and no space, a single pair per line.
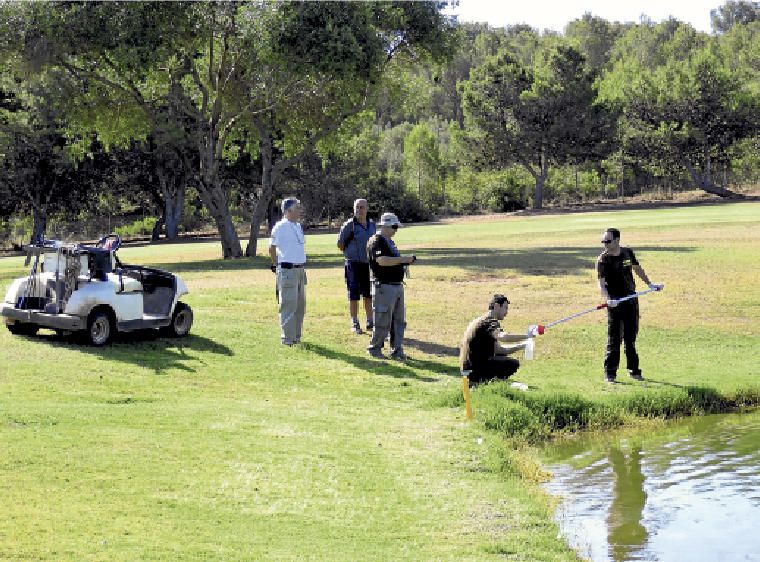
609,380
636,376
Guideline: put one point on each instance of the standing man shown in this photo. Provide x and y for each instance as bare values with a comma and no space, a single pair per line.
481,352
388,268
352,241
288,258
614,268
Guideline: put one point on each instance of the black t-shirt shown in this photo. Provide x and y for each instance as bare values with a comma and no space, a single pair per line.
617,272
378,246
478,343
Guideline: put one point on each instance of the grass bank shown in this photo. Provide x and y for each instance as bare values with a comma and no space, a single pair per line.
227,446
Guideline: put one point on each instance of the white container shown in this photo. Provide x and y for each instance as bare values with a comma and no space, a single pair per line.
530,344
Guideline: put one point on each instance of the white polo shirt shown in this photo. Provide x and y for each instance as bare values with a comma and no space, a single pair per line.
288,238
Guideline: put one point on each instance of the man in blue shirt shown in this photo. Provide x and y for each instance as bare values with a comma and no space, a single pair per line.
352,241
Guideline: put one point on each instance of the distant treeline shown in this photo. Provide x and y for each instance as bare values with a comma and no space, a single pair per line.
182,116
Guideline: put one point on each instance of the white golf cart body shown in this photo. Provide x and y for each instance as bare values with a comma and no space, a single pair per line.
75,288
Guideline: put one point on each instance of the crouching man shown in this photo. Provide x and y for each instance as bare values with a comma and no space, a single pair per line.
481,351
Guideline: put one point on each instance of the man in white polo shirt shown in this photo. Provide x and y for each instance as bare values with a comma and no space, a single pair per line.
288,254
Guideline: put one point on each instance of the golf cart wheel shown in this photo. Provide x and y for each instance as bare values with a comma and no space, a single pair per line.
182,321
19,329
101,327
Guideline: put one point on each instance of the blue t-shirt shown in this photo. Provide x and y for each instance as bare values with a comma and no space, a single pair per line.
354,237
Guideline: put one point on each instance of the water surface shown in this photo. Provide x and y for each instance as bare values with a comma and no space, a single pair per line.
690,491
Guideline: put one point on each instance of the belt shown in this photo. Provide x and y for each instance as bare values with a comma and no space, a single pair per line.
288,265
395,283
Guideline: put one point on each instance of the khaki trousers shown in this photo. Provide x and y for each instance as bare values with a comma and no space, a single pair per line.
291,284
389,312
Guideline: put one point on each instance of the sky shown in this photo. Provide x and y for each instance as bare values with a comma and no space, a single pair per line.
555,14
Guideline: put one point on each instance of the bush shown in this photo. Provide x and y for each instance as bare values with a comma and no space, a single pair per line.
139,227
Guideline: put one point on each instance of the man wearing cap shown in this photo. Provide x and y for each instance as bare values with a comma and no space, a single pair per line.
388,268
352,241
482,353
288,258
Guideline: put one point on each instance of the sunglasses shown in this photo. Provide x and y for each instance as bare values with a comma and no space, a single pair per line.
607,241
394,227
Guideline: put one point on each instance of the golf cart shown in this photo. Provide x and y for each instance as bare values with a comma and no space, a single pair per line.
85,289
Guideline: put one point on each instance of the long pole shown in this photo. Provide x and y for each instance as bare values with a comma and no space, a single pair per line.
543,328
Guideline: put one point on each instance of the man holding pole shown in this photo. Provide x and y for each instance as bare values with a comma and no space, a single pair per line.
482,352
615,267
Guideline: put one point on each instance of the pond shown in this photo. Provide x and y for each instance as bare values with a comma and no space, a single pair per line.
690,491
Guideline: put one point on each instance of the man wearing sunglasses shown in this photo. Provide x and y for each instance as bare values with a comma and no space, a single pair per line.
615,267
388,268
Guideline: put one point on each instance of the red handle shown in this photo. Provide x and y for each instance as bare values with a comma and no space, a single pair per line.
601,306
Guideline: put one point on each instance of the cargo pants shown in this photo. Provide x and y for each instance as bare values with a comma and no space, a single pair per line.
390,316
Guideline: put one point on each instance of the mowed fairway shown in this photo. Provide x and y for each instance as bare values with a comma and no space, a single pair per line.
228,446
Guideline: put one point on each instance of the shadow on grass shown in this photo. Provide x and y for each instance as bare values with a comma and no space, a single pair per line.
553,261
314,261
148,349
432,348
388,367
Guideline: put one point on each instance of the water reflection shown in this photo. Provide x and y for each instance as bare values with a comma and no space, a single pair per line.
689,492
625,533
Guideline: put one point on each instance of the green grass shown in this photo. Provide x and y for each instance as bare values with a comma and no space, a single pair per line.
227,446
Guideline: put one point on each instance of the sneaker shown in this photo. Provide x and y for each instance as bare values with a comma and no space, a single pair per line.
636,376
370,326
356,328
287,342
609,380
376,353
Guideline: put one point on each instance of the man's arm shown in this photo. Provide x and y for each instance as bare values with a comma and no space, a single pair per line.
499,349
603,289
273,254
642,274
510,338
387,261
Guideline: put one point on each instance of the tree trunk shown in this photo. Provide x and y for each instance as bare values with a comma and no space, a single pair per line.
704,183
262,202
538,202
173,208
215,199
40,224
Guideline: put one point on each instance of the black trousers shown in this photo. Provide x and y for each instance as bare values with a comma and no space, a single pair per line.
622,326
497,367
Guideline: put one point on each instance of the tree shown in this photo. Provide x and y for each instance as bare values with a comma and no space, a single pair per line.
422,163
734,12
41,175
337,55
595,38
535,116
282,76
685,114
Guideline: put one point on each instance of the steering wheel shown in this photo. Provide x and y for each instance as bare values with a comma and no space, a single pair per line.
110,242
